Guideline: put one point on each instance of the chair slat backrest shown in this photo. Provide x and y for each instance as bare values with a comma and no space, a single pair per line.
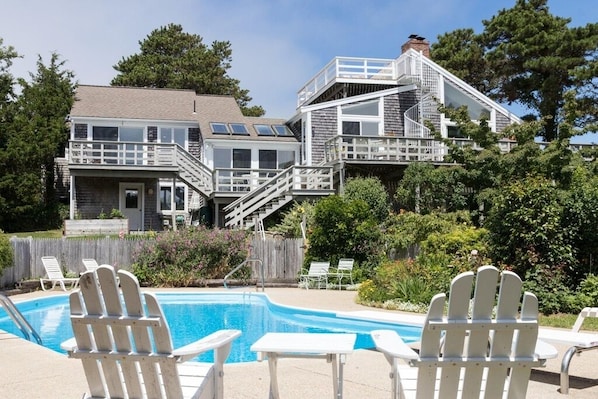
126,350
487,353
345,264
90,264
318,268
52,267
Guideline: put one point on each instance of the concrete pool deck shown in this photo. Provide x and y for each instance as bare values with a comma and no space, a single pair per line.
28,370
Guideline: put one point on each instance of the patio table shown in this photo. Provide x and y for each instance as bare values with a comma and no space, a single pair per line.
334,347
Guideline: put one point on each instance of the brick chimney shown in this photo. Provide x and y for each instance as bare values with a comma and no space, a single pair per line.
417,43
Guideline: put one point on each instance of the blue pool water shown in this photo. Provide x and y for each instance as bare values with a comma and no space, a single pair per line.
195,315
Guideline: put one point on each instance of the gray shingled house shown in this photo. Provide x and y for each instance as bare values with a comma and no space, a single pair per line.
160,154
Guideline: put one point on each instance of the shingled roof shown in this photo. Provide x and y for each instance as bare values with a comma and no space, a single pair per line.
133,103
113,102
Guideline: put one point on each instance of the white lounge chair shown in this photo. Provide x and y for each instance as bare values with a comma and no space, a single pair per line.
125,345
90,264
578,342
54,274
317,273
461,355
343,270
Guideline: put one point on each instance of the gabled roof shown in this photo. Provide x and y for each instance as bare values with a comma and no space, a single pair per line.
136,103
133,103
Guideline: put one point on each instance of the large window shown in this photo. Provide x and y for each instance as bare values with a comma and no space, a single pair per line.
166,197
454,98
176,135
361,119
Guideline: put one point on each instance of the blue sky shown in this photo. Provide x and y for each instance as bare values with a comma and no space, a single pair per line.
278,45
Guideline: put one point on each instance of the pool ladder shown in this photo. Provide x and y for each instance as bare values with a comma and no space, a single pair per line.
246,261
19,319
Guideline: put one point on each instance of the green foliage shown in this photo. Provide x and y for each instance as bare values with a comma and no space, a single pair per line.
462,53
407,229
548,284
33,133
426,189
580,219
171,58
188,256
526,229
370,190
116,214
6,252
290,225
527,55
345,229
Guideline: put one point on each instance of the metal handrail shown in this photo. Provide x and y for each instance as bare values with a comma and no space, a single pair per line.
19,319
240,265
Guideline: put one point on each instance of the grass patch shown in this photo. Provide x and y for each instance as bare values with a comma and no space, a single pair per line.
37,234
562,320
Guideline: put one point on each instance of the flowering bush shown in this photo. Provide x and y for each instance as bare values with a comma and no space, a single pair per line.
189,256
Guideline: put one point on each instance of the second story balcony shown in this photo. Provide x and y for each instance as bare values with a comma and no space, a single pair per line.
348,70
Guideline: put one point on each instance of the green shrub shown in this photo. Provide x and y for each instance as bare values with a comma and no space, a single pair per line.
6,252
188,257
370,190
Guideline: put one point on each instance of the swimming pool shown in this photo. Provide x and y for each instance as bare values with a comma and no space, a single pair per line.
194,315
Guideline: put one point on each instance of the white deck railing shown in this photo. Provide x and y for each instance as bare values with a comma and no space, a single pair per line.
372,69
278,191
394,149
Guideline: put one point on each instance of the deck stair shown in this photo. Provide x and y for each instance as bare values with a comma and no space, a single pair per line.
270,196
192,171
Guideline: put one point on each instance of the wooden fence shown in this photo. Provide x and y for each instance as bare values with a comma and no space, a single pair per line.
281,258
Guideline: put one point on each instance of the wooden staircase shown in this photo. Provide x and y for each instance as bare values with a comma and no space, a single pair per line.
291,183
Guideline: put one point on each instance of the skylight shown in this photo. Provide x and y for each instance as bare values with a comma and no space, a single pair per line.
239,128
263,130
282,130
219,128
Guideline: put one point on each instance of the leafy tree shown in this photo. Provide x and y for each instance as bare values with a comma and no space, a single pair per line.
538,58
7,55
526,227
35,135
344,229
171,58
370,190
462,53
531,57
426,189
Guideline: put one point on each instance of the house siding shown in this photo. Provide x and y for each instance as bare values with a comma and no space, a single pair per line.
101,194
80,131
152,134
324,124
195,143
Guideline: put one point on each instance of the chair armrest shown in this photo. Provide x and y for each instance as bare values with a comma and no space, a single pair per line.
391,344
69,345
213,341
545,351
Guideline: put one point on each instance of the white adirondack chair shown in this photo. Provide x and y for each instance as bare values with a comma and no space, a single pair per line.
463,356
126,347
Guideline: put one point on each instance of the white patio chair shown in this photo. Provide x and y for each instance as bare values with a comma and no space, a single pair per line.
317,273
463,356
90,264
125,345
343,270
54,274
578,342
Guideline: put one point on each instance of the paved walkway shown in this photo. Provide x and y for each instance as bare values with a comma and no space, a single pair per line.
30,371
